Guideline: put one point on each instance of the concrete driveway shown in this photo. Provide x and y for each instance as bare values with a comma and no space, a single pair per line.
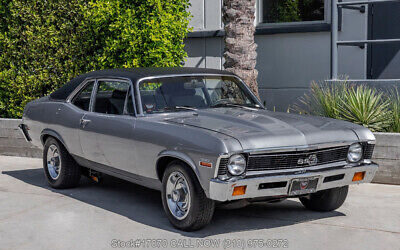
116,214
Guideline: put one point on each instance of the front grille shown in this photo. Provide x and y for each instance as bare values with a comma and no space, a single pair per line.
223,166
288,160
368,150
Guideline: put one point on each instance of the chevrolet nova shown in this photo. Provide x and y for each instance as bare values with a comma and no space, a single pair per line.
200,136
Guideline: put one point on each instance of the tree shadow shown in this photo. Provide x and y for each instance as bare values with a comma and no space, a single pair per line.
143,205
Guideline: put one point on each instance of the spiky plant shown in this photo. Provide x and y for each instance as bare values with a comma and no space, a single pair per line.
323,100
395,110
365,106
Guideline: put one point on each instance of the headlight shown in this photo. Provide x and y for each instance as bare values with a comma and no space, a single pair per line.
355,153
237,165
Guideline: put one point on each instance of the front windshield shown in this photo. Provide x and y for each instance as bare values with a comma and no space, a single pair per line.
182,93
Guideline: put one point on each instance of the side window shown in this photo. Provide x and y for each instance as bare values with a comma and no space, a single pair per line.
110,97
82,100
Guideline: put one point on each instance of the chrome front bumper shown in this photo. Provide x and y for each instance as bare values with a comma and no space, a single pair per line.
222,190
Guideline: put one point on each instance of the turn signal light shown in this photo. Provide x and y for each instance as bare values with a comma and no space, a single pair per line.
359,176
240,190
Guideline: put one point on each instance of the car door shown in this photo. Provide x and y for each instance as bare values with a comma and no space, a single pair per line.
107,130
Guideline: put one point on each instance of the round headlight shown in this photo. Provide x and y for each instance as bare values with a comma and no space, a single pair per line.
237,165
355,153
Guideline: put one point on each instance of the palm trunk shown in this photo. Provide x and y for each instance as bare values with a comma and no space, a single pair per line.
240,49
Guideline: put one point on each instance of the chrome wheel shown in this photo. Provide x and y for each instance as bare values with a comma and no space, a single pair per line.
178,195
53,162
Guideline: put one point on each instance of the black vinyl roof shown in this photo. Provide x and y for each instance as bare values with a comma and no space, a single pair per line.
133,74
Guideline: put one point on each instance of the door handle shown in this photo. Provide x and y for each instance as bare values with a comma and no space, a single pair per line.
84,122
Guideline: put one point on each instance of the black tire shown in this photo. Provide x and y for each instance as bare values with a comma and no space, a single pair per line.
70,171
201,208
326,200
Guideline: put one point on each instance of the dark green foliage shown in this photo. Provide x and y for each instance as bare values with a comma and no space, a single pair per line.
44,44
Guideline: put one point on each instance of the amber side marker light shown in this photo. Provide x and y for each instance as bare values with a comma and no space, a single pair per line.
359,176
239,190
206,164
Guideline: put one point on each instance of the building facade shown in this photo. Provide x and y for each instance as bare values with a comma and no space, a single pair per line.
294,44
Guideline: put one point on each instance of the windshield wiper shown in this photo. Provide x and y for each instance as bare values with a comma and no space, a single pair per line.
186,108
181,108
229,104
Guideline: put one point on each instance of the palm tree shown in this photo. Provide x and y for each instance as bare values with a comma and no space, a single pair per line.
240,49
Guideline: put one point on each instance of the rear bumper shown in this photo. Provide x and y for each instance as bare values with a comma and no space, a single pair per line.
222,190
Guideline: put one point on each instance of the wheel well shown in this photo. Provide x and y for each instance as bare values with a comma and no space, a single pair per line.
44,138
47,136
163,162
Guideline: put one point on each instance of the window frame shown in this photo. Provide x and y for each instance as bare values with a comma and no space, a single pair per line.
284,25
78,90
138,98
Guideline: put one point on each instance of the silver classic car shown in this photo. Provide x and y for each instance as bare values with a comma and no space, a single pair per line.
200,136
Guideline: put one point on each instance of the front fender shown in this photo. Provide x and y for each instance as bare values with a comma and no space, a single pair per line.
183,157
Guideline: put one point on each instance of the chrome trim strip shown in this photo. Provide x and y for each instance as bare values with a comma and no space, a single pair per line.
301,147
300,169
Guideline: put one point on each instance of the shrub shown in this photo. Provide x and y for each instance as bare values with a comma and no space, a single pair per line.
365,106
394,106
323,100
44,44
358,104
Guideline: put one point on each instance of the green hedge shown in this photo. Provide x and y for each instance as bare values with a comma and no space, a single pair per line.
44,44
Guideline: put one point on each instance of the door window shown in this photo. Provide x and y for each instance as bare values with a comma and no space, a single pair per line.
110,97
82,100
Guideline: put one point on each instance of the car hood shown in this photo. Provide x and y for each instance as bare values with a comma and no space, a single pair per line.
262,129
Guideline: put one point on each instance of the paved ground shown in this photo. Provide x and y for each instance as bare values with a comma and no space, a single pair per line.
34,216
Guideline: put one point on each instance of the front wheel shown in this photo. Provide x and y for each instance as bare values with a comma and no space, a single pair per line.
326,200
184,201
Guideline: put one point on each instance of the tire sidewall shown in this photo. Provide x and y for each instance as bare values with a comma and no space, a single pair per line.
190,219
59,180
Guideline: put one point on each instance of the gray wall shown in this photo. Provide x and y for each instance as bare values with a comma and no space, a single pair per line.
287,62
12,141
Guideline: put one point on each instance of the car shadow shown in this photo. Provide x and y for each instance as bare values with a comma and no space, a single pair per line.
143,205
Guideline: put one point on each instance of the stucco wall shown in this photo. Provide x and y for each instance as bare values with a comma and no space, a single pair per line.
287,62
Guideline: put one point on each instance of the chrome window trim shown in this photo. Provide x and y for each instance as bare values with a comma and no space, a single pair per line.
141,114
94,91
77,91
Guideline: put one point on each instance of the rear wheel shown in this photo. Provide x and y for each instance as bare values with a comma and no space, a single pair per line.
60,168
326,200
184,201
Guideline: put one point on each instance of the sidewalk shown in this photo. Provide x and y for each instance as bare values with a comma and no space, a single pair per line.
34,216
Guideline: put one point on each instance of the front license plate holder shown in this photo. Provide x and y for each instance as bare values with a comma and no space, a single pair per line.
305,185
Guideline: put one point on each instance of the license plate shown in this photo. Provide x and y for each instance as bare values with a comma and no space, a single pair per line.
303,185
